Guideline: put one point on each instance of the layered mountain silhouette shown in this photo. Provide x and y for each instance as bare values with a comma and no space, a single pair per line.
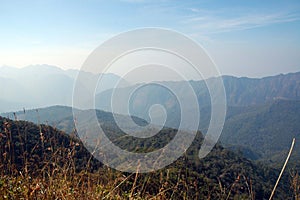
262,113
43,85
239,92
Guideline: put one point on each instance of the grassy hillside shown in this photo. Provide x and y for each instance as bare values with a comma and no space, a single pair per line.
43,162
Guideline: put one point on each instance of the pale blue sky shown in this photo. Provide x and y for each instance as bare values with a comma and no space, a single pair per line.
244,38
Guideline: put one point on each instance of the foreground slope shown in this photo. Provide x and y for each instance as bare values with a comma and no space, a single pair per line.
55,160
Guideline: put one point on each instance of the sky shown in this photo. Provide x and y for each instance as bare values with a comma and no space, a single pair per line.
244,38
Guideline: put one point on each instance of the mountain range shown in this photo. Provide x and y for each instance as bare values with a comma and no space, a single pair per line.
239,92
43,85
261,120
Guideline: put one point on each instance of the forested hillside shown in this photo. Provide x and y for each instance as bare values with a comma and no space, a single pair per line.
40,161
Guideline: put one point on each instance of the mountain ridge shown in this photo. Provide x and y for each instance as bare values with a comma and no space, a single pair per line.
45,85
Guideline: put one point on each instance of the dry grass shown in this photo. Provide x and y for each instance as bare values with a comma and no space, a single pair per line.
59,179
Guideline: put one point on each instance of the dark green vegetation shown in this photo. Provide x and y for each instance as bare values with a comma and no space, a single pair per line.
43,162
267,130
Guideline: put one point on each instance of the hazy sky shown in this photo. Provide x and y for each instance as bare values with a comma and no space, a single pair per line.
245,38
